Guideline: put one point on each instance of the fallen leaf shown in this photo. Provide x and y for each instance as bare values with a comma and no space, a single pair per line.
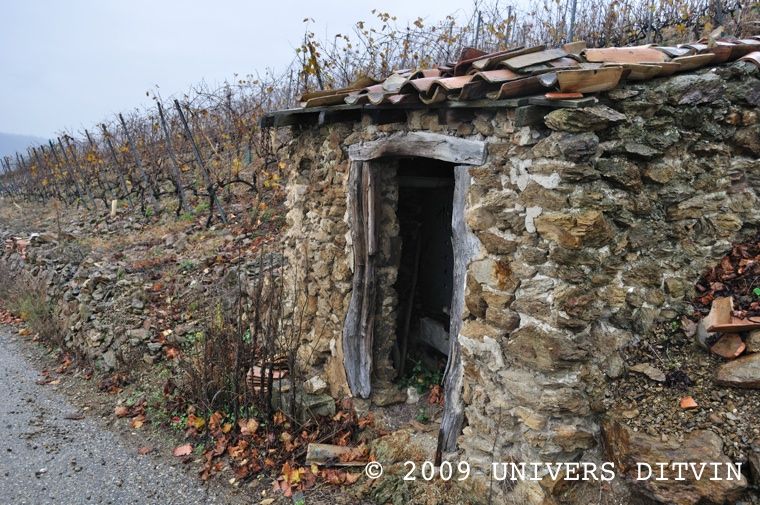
196,422
142,451
248,426
171,352
121,411
653,373
436,395
183,450
137,422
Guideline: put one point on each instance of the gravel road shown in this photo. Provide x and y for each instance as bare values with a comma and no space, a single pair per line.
49,454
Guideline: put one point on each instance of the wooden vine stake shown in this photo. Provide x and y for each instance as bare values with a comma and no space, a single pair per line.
79,168
215,204
147,188
176,173
71,174
118,166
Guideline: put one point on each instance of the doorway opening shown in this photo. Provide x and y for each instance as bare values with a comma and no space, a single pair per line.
426,270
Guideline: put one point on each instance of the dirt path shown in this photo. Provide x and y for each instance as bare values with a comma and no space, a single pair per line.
50,454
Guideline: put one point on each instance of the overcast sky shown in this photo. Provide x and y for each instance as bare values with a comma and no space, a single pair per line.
72,63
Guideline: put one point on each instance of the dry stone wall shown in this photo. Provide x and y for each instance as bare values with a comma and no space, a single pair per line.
593,227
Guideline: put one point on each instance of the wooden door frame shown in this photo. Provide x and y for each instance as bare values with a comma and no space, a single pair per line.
363,210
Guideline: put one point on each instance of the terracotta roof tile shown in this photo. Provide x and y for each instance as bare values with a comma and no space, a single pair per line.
589,80
694,61
753,57
527,60
492,60
548,73
535,84
637,54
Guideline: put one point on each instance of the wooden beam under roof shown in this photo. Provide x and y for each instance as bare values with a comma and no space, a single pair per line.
381,114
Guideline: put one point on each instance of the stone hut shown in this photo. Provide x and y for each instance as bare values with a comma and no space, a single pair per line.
524,217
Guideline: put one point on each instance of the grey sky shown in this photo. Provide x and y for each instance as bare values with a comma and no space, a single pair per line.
69,64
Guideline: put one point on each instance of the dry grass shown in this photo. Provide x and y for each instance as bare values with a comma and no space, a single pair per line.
26,295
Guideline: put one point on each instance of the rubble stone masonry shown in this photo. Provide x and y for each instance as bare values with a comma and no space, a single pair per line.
593,227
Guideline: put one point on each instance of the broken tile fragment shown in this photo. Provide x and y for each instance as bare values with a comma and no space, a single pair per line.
729,346
688,403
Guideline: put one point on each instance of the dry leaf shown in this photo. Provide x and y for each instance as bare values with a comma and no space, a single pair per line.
248,426
137,422
183,450
196,422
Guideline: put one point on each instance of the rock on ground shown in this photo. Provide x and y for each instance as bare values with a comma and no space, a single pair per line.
743,372
627,448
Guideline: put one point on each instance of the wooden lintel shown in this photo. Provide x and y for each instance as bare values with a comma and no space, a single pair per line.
422,144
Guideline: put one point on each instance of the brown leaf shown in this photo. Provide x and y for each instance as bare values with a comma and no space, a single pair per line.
248,426
121,411
142,451
196,422
436,395
183,450
137,422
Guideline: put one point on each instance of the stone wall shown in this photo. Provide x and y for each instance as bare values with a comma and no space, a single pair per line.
593,227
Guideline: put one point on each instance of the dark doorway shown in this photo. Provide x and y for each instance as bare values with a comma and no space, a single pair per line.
426,265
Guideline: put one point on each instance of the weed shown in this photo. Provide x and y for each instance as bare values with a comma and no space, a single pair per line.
421,378
422,416
186,265
26,296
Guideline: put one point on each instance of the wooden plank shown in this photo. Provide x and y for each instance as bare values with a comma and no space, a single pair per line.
422,144
369,294
290,117
351,326
567,104
465,245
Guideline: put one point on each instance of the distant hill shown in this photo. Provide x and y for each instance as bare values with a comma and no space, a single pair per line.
11,143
